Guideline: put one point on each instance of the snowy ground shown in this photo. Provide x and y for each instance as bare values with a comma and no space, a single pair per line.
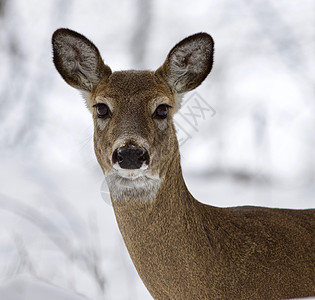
25,287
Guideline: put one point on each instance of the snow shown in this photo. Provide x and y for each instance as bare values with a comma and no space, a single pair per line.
24,287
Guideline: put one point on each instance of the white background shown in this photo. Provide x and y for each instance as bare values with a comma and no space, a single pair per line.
57,235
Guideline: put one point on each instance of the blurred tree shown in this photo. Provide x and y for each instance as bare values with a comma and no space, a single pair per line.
141,32
2,7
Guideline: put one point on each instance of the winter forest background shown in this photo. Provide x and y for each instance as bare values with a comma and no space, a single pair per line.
253,144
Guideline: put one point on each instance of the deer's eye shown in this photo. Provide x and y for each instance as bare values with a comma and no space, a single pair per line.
161,111
102,110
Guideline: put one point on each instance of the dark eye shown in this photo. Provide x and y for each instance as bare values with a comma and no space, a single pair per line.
161,111
102,110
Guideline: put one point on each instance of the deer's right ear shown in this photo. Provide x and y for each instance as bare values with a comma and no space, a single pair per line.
78,60
188,63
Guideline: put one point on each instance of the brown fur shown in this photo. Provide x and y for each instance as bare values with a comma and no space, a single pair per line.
181,248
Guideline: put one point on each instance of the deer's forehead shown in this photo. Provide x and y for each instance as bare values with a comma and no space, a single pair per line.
132,87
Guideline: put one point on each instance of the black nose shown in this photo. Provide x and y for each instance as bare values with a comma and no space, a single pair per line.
130,158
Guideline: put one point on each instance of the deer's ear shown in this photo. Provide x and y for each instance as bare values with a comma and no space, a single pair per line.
188,63
78,60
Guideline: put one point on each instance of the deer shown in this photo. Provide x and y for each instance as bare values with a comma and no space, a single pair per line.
180,247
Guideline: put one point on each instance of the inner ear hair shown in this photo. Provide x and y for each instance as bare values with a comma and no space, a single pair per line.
188,63
78,60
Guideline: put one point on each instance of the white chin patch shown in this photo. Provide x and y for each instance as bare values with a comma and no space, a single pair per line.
130,173
132,184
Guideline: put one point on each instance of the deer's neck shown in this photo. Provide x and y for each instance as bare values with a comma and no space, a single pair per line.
164,233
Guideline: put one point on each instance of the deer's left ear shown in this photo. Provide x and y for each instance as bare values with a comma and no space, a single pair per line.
188,63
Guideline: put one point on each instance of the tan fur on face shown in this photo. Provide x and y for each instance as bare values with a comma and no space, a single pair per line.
133,96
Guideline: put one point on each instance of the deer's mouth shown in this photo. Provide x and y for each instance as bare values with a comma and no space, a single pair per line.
131,174
132,177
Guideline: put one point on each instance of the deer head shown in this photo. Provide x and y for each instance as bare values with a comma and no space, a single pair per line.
134,134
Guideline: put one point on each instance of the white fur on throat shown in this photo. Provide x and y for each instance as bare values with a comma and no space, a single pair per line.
132,184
